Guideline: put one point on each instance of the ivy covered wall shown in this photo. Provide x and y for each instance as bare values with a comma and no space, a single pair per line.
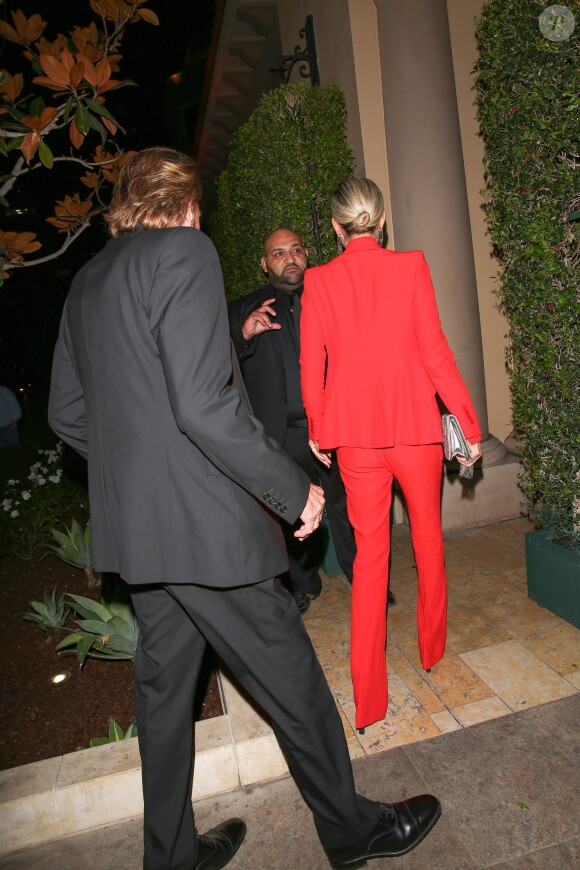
528,91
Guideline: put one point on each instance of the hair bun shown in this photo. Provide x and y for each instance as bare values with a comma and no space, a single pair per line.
357,205
362,219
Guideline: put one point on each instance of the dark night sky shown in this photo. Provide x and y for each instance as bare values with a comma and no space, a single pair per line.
31,302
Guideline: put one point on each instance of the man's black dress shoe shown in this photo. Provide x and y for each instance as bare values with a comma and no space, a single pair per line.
400,828
390,599
303,600
217,848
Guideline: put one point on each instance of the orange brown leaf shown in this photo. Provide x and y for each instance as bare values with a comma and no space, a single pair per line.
90,179
30,144
18,244
25,30
54,48
76,137
12,86
39,123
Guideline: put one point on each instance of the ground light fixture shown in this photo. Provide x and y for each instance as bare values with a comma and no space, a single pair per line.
61,677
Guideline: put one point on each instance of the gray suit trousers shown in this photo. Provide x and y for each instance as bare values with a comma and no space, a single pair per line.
257,631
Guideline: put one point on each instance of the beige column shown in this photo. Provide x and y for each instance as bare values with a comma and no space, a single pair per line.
427,179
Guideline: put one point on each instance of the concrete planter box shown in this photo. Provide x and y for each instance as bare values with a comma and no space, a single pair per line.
553,576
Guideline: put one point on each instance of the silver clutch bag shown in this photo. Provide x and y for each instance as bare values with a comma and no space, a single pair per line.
455,443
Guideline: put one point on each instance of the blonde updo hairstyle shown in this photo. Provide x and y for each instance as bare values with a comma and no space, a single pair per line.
358,206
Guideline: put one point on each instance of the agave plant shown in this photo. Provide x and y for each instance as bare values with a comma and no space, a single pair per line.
106,630
51,613
115,734
74,548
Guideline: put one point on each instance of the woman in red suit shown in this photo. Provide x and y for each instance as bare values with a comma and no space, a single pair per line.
373,358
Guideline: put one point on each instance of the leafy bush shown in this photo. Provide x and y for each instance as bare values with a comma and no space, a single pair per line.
30,509
527,90
284,164
115,734
107,629
50,613
74,548
74,545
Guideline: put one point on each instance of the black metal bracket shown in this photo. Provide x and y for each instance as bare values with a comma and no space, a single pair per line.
306,56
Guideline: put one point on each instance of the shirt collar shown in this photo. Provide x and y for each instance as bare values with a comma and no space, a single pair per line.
286,295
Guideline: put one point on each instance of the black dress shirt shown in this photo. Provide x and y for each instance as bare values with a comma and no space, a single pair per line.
288,316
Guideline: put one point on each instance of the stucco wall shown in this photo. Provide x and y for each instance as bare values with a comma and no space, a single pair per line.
493,323
348,52
367,59
335,54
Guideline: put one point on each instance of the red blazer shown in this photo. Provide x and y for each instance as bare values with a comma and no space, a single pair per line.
373,313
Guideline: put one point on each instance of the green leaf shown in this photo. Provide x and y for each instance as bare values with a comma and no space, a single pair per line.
60,537
120,644
99,128
82,119
75,530
83,647
13,144
575,216
3,76
83,612
70,104
92,606
45,154
35,63
73,638
106,114
32,617
94,627
36,107
98,741
115,732
99,652
98,109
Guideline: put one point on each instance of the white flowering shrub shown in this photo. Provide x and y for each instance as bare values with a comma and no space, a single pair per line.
31,507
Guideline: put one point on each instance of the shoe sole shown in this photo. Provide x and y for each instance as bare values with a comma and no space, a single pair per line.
362,862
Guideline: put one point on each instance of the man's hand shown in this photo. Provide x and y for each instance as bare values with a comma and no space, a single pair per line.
259,320
475,454
312,513
322,455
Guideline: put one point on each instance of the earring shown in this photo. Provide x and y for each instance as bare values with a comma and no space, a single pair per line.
380,238
339,245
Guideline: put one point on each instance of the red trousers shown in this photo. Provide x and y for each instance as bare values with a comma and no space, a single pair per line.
368,477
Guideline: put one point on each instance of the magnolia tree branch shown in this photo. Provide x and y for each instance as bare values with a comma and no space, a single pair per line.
19,169
35,142
11,180
52,125
111,42
71,237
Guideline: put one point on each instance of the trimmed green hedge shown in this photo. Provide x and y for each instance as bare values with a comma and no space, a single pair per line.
284,164
528,93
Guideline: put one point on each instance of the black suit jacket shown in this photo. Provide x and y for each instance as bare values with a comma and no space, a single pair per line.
262,364
145,386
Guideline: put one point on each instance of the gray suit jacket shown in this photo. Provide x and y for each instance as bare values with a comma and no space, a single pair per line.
145,386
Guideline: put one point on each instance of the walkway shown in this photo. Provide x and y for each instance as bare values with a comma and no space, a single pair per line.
492,730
